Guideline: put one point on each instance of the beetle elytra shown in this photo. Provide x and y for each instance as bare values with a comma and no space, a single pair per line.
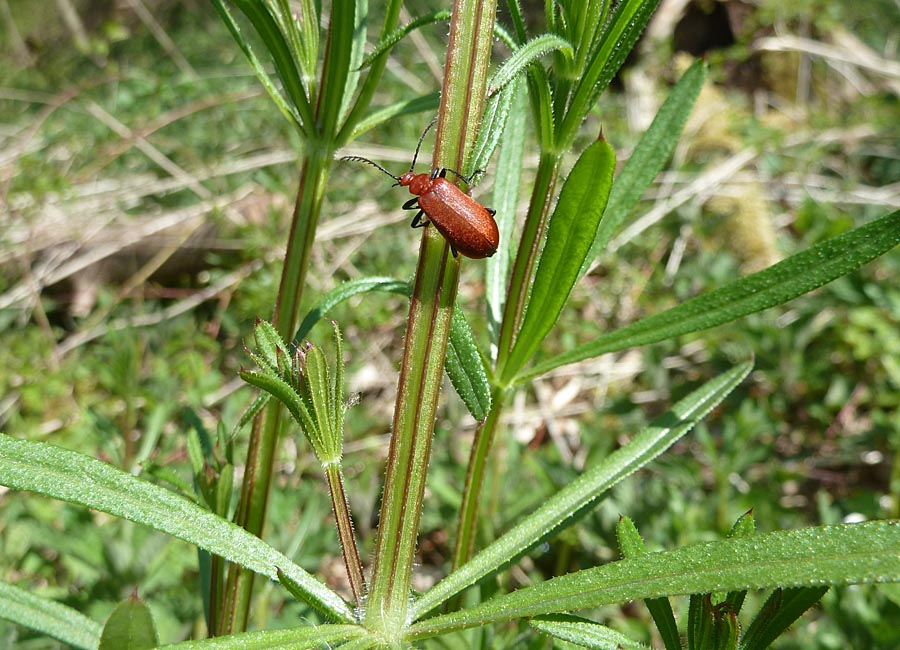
468,226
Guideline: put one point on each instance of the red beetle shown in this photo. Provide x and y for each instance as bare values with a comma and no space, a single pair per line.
468,226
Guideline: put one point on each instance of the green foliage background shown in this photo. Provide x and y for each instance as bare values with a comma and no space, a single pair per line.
813,438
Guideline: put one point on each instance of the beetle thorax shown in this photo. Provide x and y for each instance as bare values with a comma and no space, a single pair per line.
418,183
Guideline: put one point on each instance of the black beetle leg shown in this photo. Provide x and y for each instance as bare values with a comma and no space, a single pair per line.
491,211
412,204
418,222
466,179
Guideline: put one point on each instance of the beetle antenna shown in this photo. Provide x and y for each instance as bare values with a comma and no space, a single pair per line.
418,146
374,164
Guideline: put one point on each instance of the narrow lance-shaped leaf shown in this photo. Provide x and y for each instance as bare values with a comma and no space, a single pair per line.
389,41
259,69
505,198
356,55
775,285
308,637
464,365
343,292
129,627
779,612
423,104
743,527
284,393
585,633
23,607
76,478
576,499
826,555
493,123
570,234
269,32
646,161
525,55
622,31
334,97
631,545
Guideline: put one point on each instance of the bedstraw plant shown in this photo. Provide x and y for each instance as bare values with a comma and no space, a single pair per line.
555,79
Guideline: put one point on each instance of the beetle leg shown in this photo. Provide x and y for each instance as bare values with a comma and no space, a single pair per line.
453,250
418,222
412,204
491,211
466,179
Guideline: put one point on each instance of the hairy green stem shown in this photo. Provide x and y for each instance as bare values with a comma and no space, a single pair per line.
264,437
478,458
529,247
345,532
431,309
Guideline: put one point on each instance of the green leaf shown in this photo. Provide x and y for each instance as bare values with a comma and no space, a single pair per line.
507,178
525,55
284,393
743,527
343,292
311,637
775,285
76,478
699,627
335,95
778,613
570,234
576,499
270,347
355,58
68,625
465,367
649,156
259,403
129,627
584,632
493,123
423,104
289,112
622,31
632,545
389,41
826,555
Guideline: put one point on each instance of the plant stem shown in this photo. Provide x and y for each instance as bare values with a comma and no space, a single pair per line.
523,267
430,312
345,532
481,449
255,487
520,281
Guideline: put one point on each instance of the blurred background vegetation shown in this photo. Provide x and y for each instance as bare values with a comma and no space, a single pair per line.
145,190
